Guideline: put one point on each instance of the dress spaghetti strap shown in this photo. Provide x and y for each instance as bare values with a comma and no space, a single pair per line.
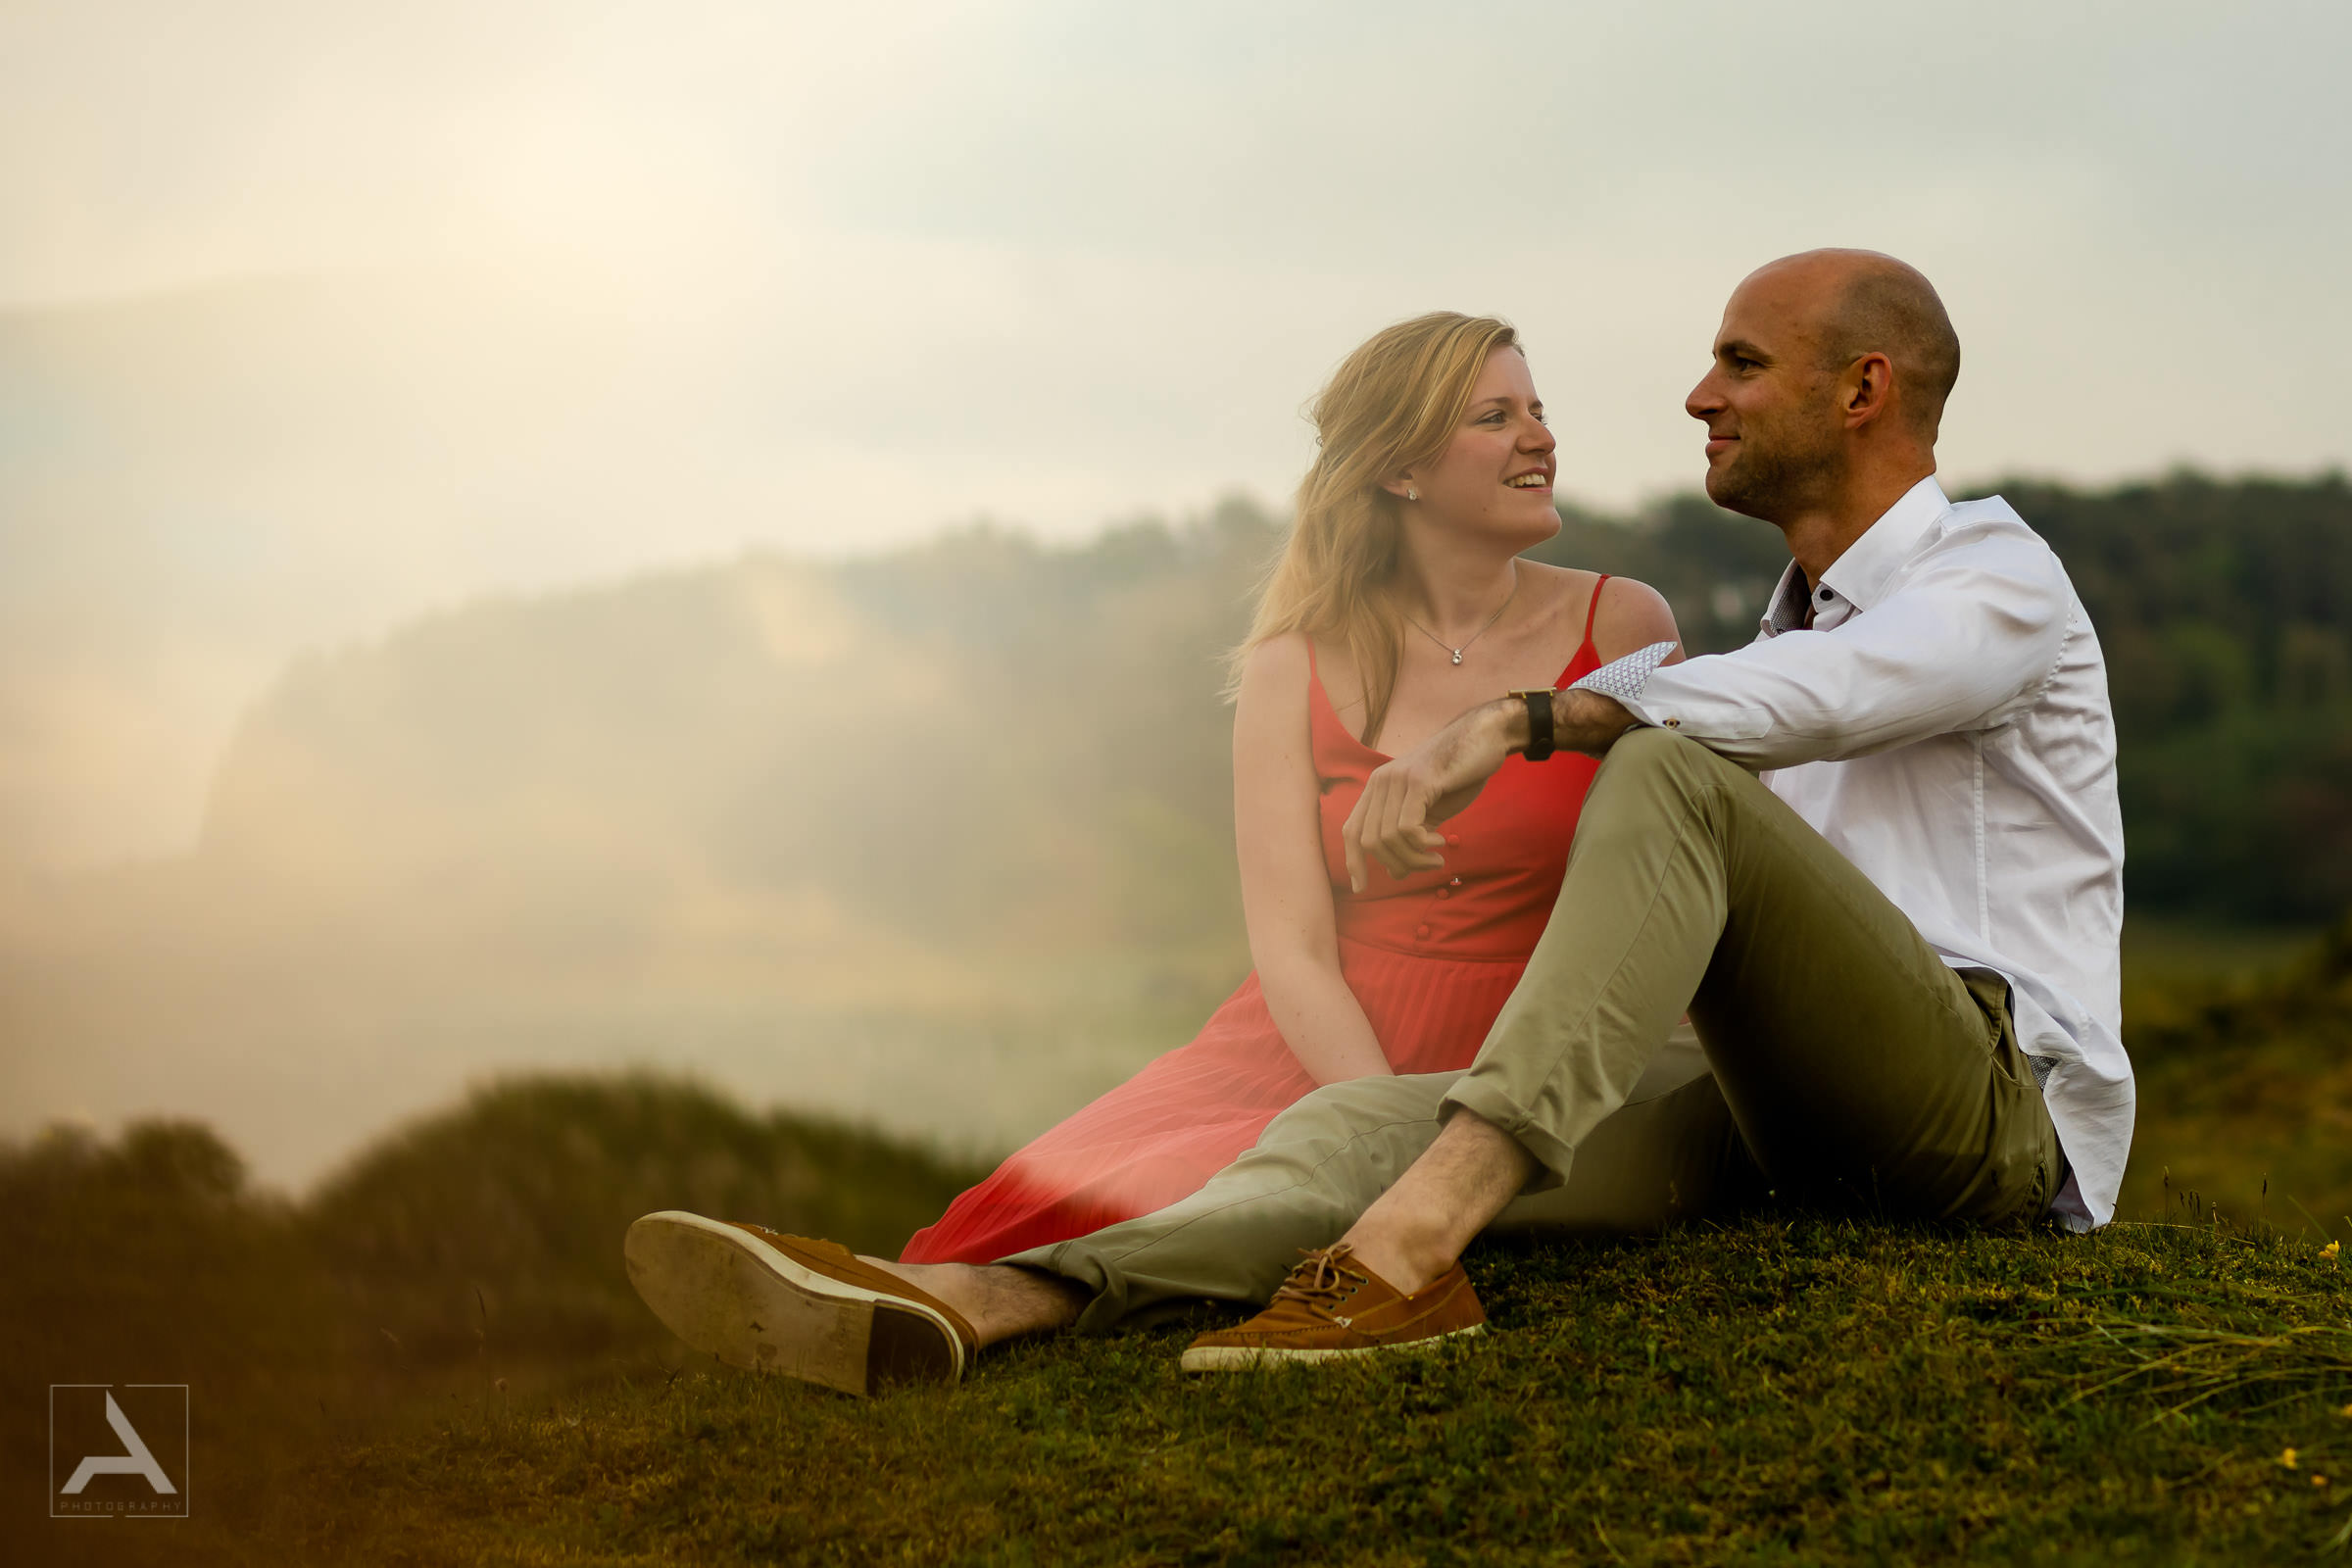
1593,610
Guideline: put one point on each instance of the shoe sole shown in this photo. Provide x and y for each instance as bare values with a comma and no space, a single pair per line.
730,1294
1255,1357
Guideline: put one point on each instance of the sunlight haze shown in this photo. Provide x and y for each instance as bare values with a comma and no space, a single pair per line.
315,317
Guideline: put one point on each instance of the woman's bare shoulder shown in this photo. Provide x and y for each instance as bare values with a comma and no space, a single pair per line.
1274,674
1631,615
1277,663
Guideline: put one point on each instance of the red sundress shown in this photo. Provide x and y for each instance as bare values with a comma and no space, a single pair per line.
1431,959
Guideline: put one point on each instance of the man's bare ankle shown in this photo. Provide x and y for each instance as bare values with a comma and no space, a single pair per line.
998,1300
1405,1267
1419,1228
952,1283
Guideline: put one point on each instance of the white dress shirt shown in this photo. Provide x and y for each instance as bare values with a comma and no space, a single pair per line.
1944,725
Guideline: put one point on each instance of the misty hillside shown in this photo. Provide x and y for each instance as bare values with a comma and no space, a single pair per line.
983,741
989,742
939,842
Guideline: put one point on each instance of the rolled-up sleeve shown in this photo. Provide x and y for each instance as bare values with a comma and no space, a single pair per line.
1977,626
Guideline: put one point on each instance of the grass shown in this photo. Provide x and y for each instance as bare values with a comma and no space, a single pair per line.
1792,1389
435,1360
2245,1085
2164,956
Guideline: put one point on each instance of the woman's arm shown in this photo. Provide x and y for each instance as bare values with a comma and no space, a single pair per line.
1286,892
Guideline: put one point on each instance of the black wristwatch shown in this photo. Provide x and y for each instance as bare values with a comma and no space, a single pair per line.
1538,723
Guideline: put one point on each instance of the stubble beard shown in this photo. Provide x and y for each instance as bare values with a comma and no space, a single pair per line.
1778,475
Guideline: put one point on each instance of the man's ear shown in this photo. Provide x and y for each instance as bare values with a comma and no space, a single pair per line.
1867,389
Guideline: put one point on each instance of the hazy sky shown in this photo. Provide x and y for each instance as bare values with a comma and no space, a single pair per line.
316,315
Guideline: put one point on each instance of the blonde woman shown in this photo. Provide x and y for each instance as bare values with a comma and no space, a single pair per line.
1400,599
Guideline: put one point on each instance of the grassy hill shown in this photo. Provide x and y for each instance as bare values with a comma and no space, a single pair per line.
470,1255
436,1358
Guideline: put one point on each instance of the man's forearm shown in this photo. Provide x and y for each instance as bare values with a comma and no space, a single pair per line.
1587,721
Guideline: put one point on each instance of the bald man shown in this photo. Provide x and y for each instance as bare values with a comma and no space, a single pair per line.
1876,856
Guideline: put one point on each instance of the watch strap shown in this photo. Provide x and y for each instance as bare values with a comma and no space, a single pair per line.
1538,723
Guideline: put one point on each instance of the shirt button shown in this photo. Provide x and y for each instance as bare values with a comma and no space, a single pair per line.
1673,723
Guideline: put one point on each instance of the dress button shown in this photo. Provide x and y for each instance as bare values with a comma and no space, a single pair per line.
1445,892
1453,838
1420,930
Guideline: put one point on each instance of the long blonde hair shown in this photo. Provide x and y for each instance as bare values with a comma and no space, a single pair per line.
1394,404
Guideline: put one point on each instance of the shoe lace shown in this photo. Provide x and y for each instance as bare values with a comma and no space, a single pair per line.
1322,1281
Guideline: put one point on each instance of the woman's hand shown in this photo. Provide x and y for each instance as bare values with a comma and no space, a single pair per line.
1428,784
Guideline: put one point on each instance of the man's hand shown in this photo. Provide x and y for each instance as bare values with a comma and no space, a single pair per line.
1428,784
1444,775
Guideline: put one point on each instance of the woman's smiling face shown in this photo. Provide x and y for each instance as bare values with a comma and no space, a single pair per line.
1496,473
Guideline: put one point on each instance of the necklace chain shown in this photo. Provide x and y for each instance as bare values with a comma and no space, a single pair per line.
1476,635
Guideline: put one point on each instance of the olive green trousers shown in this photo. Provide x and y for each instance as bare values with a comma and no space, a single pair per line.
1847,1065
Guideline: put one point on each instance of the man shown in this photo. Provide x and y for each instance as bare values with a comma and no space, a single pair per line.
1897,944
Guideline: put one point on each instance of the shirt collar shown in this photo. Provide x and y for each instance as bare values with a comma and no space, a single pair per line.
1860,576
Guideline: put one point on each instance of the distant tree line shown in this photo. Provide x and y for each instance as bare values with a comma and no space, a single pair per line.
2225,608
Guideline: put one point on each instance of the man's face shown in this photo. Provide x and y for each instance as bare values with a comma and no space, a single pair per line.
1775,431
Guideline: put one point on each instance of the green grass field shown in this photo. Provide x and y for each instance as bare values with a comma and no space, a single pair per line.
1788,1391
1785,1391
435,1359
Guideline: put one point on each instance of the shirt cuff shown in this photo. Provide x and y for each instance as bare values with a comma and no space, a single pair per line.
1624,678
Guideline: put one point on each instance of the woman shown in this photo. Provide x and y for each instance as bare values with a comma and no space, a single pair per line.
1399,600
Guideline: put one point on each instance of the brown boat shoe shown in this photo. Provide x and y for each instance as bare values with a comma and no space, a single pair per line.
766,1302
1332,1307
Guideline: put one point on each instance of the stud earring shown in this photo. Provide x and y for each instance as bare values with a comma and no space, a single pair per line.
1411,494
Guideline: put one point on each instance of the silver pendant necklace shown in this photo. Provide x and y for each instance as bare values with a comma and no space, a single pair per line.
1476,635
